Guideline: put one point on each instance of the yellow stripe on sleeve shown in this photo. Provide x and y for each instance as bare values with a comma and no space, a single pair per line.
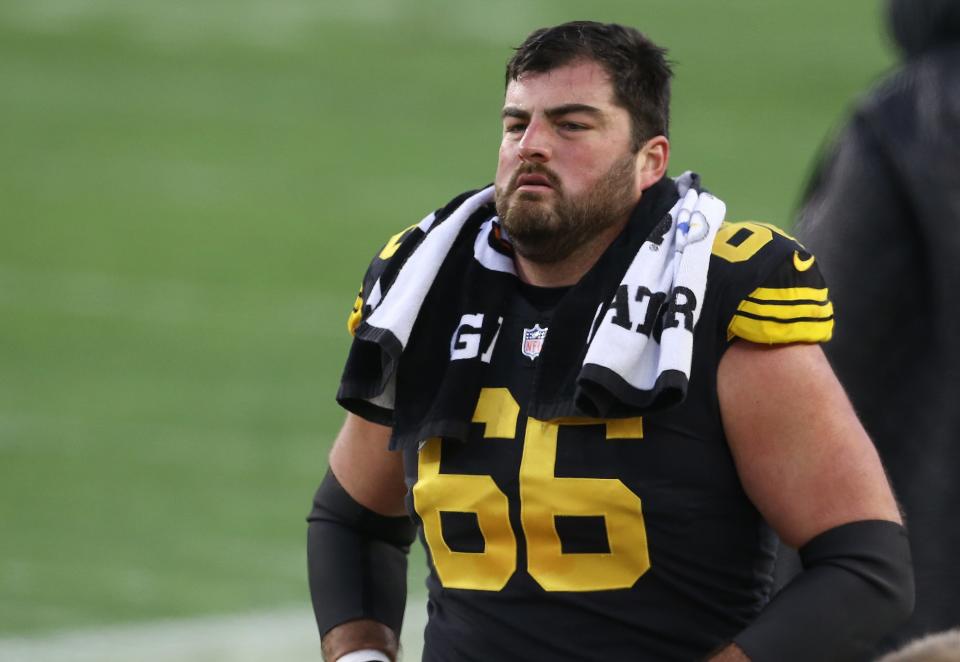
773,316
766,332
792,294
786,311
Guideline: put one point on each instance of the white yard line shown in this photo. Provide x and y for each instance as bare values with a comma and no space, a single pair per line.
289,636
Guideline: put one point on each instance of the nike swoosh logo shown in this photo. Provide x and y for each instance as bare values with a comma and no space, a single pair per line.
801,264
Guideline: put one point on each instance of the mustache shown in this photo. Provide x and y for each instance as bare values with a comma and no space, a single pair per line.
534,169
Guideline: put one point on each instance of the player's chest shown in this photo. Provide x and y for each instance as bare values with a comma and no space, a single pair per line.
566,490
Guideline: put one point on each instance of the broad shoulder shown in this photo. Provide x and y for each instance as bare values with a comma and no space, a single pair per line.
387,261
768,287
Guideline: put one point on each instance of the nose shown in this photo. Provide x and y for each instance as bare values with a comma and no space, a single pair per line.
535,144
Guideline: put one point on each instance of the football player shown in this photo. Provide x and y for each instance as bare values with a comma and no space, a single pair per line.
598,404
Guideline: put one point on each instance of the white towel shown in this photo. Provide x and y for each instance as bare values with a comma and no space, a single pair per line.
679,263
621,365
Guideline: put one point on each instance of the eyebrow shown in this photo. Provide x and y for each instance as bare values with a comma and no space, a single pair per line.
553,113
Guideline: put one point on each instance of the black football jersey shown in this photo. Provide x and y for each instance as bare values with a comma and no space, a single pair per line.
585,539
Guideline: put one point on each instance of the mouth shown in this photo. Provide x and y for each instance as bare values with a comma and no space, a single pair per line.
533,182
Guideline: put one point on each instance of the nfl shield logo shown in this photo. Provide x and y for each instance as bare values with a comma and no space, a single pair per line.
533,341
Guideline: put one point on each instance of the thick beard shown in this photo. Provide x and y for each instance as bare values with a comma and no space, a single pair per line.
545,233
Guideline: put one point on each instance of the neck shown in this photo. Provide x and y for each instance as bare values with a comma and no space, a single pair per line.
571,269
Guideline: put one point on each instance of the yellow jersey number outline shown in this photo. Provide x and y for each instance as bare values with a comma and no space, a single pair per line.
542,496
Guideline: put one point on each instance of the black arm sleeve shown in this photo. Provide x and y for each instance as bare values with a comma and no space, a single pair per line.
356,560
857,585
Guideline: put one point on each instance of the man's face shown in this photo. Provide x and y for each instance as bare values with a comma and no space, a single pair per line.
566,171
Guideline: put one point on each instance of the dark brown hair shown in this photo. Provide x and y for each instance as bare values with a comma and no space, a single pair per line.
638,68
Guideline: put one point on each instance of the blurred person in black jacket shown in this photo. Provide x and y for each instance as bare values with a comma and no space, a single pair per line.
882,215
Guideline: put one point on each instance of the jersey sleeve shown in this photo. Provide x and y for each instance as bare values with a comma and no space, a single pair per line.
775,291
367,385
380,266
362,384
386,264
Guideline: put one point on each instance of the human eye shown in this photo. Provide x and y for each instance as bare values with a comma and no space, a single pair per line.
514,127
568,125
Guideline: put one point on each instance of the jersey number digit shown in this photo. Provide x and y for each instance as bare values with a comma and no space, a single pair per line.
738,242
542,497
490,569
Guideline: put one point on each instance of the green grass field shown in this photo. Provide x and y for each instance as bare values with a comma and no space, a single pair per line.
189,193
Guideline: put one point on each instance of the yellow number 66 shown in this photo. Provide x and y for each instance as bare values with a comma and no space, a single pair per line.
542,497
